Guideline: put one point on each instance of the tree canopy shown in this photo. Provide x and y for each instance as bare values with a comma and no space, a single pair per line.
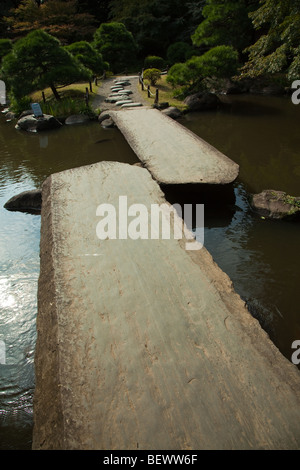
278,47
225,23
116,44
265,33
5,47
88,56
157,24
179,52
38,61
57,17
218,62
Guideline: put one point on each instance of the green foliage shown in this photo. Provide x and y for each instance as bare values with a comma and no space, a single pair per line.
5,47
66,107
219,62
277,50
225,23
153,75
38,61
177,75
18,105
88,56
179,52
154,62
116,44
155,23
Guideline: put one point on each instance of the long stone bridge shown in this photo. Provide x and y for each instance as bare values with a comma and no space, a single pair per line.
143,344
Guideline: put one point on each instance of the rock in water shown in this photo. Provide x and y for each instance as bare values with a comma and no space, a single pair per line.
172,112
108,123
31,123
27,201
77,119
276,205
202,101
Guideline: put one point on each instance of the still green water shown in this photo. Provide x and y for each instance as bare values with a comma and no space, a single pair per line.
260,256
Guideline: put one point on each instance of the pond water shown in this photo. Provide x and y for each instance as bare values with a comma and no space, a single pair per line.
260,256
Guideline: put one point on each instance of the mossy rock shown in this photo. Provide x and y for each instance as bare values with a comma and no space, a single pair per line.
276,205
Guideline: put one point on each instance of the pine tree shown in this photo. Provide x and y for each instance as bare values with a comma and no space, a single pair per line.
278,48
38,61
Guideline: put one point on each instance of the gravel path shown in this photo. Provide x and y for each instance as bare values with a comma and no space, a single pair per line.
105,90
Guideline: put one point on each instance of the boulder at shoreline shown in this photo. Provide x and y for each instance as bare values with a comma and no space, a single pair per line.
276,205
27,201
202,101
31,123
77,119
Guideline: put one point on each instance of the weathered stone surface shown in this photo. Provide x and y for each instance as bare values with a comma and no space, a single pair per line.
276,205
202,101
27,201
172,153
77,119
32,124
142,344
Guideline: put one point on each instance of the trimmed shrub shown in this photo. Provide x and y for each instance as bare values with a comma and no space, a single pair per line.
154,62
153,75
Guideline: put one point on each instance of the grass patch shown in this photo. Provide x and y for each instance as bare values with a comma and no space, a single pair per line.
76,90
72,100
165,93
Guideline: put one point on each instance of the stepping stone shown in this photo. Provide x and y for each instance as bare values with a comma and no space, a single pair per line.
117,95
114,99
131,105
123,83
120,103
173,154
127,92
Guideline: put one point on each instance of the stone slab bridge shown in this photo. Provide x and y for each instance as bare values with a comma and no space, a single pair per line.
172,153
143,344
